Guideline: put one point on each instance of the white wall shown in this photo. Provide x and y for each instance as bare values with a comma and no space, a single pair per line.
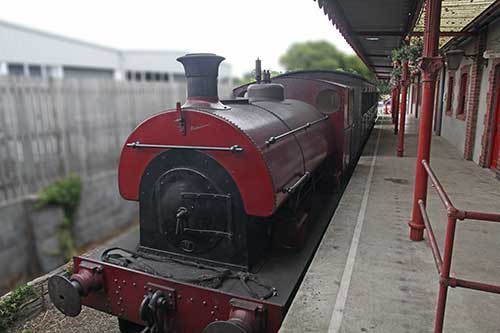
485,85
25,45
156,61
453,129
161,61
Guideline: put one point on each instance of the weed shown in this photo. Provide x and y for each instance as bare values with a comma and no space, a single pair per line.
64,193
12,304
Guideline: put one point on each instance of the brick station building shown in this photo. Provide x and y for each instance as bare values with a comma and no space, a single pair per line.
467,108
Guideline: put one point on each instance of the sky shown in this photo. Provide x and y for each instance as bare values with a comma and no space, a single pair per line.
239,30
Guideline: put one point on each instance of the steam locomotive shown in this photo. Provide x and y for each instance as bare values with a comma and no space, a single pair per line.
232,198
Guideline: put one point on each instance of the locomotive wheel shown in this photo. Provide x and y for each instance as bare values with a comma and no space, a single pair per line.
129,327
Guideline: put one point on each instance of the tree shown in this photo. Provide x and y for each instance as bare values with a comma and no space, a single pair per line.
384,87
322,55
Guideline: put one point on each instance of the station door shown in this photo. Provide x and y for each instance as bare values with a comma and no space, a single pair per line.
496,133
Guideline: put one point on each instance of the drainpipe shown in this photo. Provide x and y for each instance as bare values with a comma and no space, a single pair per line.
430,64
439,120
402,116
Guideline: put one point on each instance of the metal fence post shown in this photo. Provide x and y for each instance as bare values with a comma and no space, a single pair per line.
444,266
444,280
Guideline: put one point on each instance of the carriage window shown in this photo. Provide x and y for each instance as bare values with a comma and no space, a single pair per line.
328,101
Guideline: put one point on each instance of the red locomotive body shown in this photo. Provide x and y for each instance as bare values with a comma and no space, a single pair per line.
247,128
226,192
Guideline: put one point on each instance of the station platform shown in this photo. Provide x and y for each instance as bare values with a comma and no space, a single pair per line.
368,276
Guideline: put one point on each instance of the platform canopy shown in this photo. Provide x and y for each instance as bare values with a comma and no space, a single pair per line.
459,17
456,14
374,28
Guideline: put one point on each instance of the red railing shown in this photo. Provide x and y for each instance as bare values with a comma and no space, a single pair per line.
443,264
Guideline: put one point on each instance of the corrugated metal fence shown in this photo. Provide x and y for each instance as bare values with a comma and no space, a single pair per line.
53,128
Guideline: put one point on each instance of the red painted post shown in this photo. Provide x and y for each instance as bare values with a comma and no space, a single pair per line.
402,115
444,277
431,63
395,108
393,99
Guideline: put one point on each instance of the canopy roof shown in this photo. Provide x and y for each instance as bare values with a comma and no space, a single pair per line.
456,14
374,28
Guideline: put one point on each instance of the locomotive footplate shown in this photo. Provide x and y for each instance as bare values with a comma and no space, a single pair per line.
192,300
165,305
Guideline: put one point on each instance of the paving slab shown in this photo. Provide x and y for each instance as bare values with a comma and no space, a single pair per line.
367,276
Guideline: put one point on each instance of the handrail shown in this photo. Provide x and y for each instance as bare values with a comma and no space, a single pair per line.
138,145
274,139
295,186
479,216
432,240
443,264
475,285
437,185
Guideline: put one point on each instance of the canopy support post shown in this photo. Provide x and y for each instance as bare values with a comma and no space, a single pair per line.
430,64
402,115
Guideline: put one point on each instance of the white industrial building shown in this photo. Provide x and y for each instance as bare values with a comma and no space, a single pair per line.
30,52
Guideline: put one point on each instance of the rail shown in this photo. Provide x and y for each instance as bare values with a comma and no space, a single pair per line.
443,264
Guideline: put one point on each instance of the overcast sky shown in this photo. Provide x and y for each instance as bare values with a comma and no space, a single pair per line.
239,30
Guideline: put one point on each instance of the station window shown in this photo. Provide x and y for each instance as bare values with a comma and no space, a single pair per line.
148,76
328,101
462,96
16,69
35,70
138,76
165,77
129,76
157,76
449,97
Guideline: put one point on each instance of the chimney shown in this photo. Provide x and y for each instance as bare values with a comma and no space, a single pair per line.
201,70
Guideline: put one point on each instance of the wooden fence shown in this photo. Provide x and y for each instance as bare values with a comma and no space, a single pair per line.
51,128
